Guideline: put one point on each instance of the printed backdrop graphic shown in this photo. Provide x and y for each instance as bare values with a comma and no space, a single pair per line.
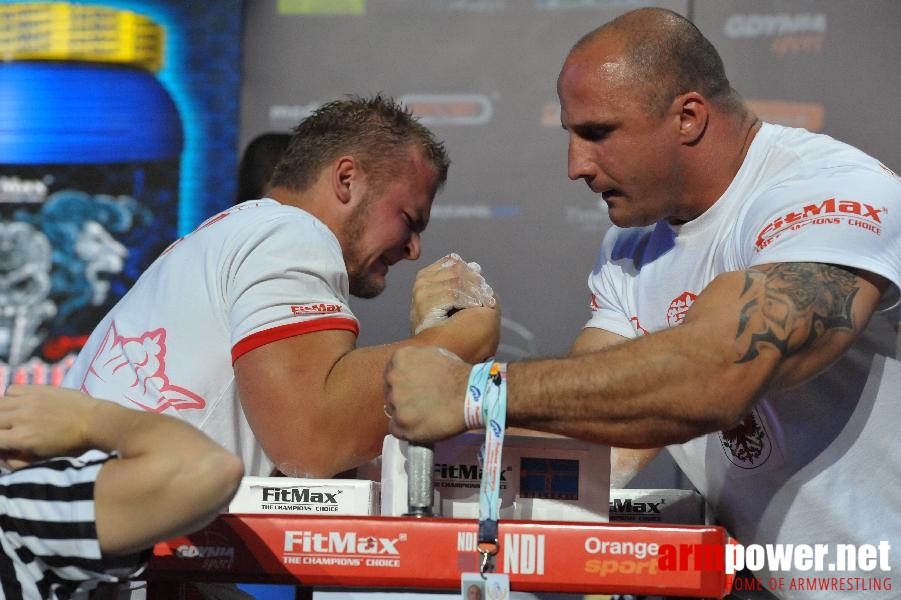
482,74
118,130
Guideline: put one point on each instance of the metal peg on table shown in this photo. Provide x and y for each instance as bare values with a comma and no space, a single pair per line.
420,487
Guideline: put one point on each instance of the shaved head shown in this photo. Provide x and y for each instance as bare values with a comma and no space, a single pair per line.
664,54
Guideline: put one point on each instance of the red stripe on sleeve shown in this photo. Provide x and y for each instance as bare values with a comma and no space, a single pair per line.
267,336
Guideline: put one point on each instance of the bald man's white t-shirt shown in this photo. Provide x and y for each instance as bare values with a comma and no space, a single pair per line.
819,463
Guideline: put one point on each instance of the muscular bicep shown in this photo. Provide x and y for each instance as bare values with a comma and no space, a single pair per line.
791,320
283,391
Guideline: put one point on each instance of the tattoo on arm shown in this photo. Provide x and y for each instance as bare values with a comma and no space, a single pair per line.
789,306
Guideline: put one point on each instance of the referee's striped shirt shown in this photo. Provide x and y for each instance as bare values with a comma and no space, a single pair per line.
48,532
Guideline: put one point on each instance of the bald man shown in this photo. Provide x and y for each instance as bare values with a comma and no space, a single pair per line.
729,304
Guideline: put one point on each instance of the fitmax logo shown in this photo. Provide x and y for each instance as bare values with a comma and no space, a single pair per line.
627,506
335,542
828,212
462,471
304,495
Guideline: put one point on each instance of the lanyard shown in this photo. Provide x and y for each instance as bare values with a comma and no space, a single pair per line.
486,405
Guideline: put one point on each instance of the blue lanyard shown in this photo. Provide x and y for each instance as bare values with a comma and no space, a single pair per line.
487,388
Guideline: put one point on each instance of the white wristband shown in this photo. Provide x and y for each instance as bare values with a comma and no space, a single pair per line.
475,395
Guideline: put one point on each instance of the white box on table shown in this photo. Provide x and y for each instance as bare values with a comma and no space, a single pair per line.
545,478
683,507
294,495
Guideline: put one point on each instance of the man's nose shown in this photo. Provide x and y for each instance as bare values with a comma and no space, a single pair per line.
413,247
578,166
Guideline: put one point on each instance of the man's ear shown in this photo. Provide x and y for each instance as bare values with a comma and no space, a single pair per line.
693,116
345,175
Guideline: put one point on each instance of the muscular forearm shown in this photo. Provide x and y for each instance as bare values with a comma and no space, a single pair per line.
350,426
357,397
746,333
652,391
472,334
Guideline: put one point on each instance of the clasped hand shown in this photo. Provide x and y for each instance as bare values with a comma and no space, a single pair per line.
444,287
